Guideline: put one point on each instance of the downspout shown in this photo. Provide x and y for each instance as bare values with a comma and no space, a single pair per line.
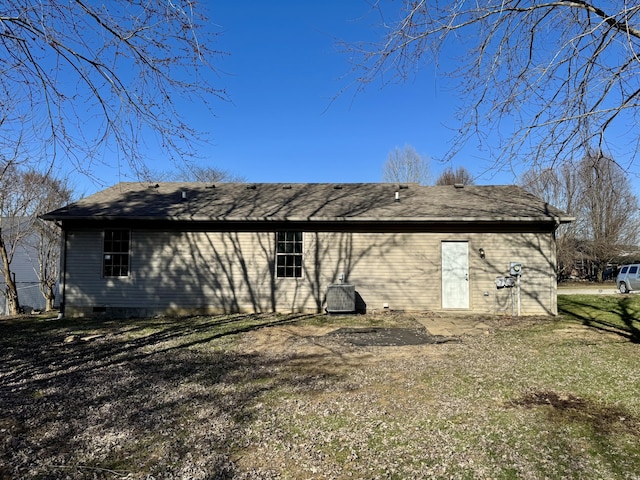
553,297
63,274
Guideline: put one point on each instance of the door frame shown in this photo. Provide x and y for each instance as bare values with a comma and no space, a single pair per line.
455,274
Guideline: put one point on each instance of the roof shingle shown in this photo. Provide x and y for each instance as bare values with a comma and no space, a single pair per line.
309,202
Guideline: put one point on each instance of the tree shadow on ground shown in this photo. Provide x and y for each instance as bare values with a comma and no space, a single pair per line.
626,324
157,397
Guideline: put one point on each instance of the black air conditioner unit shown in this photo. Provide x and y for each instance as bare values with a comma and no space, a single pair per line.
341,298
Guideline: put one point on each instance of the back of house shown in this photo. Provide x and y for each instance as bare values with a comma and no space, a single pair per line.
179,248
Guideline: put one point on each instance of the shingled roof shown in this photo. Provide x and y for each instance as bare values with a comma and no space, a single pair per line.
231,202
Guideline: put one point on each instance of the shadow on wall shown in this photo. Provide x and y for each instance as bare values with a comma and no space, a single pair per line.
174,268
234,272
536,253
184,272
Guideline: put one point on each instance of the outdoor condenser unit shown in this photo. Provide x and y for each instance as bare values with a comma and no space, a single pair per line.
341,298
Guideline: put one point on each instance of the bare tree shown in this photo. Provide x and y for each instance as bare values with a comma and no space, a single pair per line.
47,246
449,176
550,78
598,193
14,228
199,173
88,77
189,172
49,193
559,187
556,186
609,209
406,166
23,196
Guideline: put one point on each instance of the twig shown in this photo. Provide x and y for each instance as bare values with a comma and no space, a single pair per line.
122,473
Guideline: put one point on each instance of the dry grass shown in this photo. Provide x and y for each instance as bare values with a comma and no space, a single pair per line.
276,397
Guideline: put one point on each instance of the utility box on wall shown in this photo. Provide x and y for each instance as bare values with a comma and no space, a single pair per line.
341,298
515,269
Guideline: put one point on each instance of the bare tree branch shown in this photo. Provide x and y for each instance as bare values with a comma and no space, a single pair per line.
89,81
550,79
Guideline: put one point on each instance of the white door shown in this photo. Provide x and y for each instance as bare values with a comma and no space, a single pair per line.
455,275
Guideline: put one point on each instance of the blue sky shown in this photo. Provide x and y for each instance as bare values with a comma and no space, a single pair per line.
283,122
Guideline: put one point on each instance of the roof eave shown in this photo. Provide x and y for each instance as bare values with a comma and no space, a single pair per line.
197,219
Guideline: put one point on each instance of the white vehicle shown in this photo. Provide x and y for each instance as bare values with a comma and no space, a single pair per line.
629,278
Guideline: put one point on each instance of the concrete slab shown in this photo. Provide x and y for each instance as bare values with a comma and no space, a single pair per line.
454,326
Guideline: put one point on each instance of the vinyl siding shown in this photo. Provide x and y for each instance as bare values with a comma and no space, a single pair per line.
234,271
538,285
403,270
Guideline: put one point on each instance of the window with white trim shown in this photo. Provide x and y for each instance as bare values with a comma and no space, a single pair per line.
115,257
289,254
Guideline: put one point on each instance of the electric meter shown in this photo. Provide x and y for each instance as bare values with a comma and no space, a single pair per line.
515,268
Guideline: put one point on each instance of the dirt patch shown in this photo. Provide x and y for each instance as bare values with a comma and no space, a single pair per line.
331,349
388,337
286,339
310,339
553,399
562,406
404,331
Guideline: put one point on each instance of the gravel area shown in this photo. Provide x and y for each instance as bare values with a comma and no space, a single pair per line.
269,397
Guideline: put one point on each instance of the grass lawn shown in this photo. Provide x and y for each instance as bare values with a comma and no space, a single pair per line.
268,396
615,313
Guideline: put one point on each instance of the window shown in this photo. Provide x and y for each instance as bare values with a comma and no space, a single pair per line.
115,261
289,254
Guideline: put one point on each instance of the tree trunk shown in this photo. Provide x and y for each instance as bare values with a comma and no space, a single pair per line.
11,294
49,297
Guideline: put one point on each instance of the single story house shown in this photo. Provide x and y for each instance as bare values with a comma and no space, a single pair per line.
178,248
